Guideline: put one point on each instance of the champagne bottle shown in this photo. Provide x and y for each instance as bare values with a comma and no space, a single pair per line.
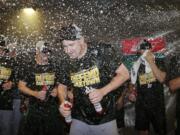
97,106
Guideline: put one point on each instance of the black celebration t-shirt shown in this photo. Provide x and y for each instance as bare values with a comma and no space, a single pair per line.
6,74
149,89
96,69
39,77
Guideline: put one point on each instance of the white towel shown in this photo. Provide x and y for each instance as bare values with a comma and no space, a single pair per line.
134,71
136,65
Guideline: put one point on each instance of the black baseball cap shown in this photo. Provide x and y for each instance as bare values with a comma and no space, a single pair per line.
42,46
71,32
145,45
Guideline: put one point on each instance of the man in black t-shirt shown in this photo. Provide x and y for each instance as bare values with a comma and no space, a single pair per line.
38,81
6,88
94,72
149,108
174,84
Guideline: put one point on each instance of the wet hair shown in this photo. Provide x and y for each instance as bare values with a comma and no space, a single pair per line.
3,44
145,45
6,50
2,41
71,32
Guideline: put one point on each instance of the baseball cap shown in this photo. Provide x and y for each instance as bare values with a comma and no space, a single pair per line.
42,47
71,32
144,45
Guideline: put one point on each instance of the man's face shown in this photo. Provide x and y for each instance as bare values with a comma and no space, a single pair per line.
73,48
43,56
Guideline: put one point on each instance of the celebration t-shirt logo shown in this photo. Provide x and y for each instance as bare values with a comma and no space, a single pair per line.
86,77
146,78
45,79
5,73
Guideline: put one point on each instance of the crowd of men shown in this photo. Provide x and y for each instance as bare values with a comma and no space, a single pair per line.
81,91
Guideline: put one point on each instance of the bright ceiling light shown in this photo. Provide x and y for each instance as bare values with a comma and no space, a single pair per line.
29,11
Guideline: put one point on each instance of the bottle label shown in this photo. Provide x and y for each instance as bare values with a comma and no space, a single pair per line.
98,107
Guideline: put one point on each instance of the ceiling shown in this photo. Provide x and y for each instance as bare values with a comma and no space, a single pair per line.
108,20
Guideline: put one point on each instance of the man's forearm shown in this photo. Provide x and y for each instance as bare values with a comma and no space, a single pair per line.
23,88
174,84
160,75
116,82
62,93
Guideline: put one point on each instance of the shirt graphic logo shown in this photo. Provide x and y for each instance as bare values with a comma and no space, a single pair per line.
86,77
146,78
5,73
44,79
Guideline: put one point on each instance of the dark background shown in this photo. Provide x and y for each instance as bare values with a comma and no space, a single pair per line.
107,20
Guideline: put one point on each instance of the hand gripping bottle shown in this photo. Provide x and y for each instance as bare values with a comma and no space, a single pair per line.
97,106
68,119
